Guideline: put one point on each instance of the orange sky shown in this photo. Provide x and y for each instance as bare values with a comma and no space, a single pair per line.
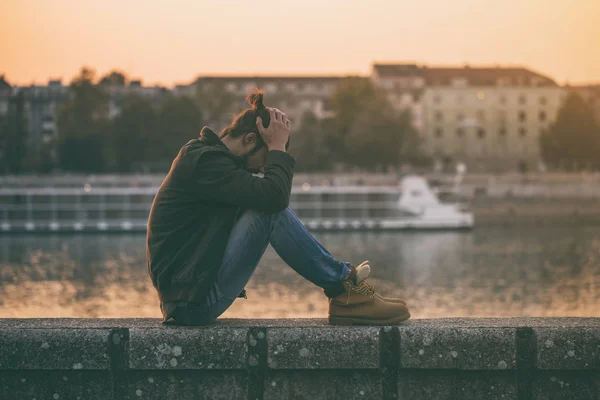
173,41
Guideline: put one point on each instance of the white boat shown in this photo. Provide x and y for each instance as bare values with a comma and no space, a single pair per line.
94,207
421,209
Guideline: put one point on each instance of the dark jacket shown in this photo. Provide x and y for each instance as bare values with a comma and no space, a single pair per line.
195,208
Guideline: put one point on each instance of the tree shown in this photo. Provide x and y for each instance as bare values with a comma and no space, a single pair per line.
131,132
573,141
83,126
179,120
368,131
307,144
215,102
13,136
114,77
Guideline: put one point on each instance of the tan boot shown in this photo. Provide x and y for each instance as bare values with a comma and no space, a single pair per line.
359,305
363,271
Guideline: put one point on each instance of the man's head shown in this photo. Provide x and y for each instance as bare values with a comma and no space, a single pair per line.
241,136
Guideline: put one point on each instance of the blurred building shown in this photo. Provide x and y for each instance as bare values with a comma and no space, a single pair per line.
488,118
118,93
405,85
294,94
41,104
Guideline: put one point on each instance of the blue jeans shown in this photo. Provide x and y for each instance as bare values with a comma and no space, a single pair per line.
247,243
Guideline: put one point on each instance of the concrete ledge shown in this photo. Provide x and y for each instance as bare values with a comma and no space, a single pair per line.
515,358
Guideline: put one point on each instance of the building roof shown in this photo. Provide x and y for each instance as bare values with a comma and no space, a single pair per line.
475,76
487,76
392,70
266,78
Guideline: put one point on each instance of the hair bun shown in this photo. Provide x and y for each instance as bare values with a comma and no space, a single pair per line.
255,99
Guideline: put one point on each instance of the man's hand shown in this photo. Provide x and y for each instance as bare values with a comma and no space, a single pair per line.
277,134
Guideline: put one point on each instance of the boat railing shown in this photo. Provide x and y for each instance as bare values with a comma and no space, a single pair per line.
33,205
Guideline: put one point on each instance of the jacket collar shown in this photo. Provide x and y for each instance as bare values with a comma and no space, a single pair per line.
209,137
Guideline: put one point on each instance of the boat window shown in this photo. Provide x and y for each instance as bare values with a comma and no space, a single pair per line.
415,193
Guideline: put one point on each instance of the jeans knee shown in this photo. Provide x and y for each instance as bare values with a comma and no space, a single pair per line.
261,218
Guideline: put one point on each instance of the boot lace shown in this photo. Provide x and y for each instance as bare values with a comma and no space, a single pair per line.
364,288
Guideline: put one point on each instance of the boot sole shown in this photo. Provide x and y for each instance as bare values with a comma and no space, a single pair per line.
362,321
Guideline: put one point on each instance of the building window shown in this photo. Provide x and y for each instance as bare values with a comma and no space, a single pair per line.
542,115
416,97
502,131
522,131
480,133
271,87
460,132
439,116
543,101
460,82
522,116
522,99
502,115
439,132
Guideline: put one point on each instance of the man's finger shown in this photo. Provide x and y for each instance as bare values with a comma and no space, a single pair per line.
259,124
280,114
273,114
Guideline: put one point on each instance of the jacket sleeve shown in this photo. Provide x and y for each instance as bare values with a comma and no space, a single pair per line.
218,178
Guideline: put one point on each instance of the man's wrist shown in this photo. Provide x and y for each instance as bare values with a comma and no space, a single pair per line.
279,148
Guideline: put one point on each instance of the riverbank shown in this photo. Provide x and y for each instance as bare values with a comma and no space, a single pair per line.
490,211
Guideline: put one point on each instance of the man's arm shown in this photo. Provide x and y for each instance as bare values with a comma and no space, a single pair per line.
218,178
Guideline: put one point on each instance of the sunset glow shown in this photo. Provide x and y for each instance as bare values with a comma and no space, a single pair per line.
172,42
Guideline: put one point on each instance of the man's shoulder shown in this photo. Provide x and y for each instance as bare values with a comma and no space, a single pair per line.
196,151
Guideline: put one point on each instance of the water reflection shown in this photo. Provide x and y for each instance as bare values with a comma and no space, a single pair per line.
487,272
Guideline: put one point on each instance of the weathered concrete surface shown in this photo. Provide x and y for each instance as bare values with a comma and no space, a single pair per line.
323,347
217,348
31,348
460,348
568,348
56,385
36,323
222,385
515,358
322,384
450,385
559,385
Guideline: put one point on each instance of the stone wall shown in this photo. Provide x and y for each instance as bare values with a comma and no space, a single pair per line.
518,358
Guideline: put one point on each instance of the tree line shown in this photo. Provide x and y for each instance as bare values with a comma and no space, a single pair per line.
572,143
147,132
98,132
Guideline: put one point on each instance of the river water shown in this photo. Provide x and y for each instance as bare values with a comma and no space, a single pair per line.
500,271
